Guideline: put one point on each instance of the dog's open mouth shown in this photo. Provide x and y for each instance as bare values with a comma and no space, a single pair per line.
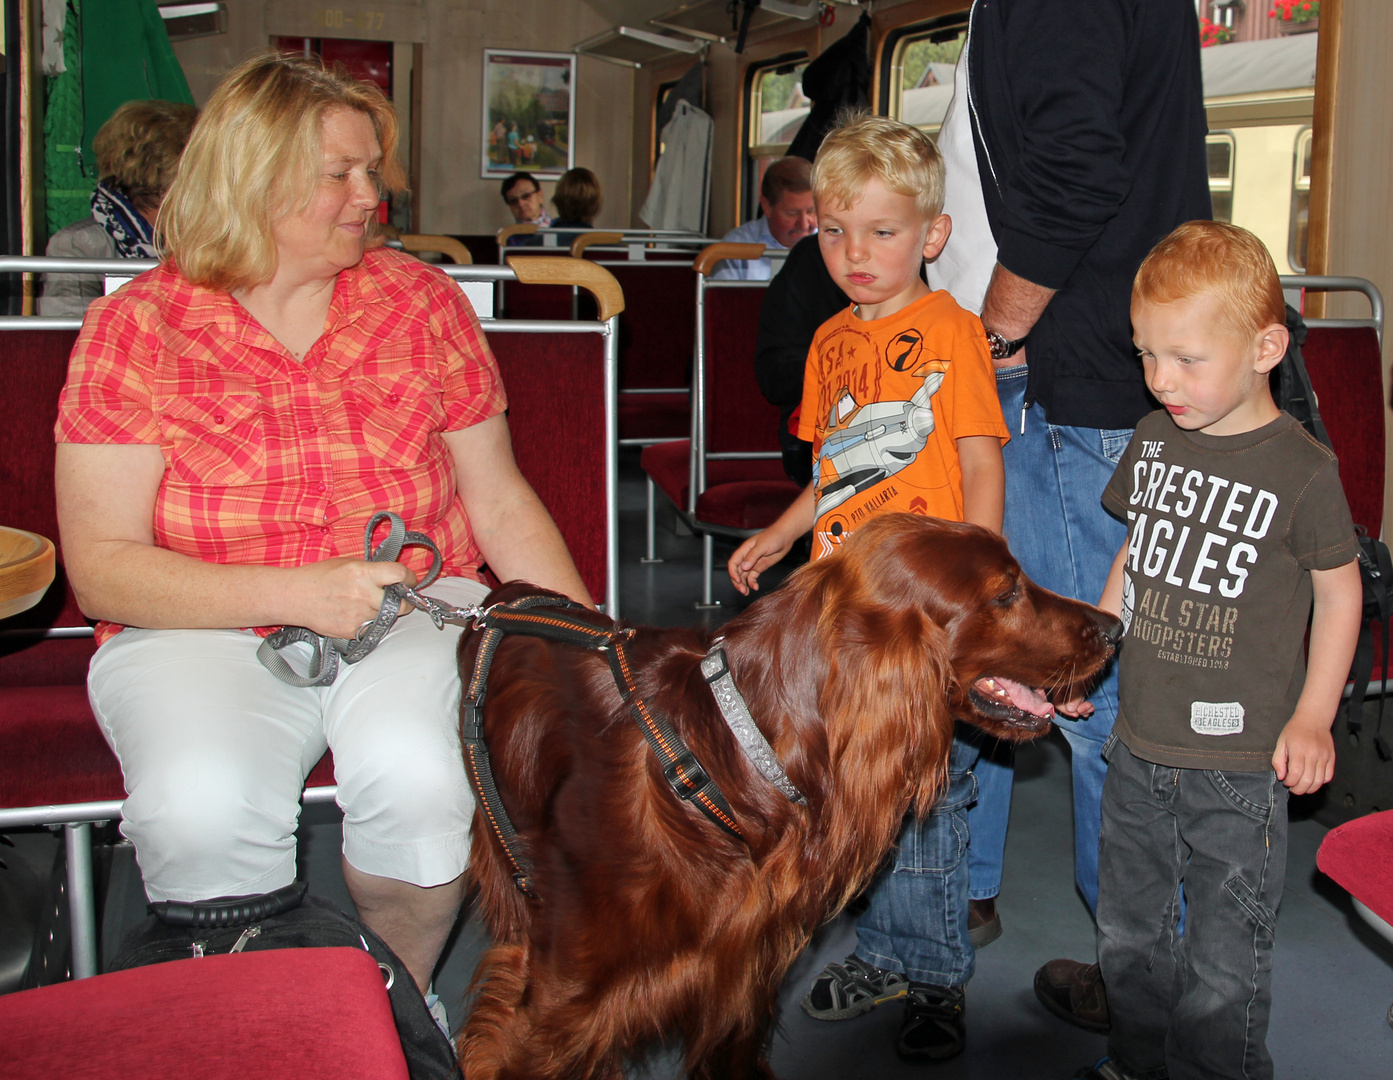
1012,703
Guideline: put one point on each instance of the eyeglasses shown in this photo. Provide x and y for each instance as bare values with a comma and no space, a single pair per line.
514,200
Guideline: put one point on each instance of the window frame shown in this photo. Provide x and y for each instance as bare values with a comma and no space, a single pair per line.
752,153
889,101
1223,135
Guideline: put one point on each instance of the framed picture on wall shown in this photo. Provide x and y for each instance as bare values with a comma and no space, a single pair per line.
529,113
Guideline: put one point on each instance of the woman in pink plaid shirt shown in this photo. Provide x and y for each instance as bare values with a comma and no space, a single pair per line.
231,421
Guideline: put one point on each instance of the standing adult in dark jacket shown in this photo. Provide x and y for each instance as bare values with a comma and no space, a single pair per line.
1087,122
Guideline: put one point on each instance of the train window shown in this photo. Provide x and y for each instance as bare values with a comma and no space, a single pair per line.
777,110
916,80
1219,147
1300,202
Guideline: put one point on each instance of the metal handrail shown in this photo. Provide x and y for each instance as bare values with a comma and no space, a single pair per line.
1336,283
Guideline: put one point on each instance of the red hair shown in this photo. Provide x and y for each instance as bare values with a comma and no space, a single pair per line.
1219,258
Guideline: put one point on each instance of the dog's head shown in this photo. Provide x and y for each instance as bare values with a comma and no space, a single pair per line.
917,620
1012,648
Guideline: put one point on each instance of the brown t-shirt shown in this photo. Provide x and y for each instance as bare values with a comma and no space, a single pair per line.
1223,532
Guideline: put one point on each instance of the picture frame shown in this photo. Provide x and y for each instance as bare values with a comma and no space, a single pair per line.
529,113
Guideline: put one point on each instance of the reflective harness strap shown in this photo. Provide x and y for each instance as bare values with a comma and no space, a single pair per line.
684,773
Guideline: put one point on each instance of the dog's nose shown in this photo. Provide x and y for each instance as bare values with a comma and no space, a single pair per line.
1112,631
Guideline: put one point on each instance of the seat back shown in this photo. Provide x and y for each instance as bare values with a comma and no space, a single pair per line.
1344,364
557,418
737,417
1344,360
35,365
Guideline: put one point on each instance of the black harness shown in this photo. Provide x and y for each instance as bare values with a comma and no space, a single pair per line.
549,617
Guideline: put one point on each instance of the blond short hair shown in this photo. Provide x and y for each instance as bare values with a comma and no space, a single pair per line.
900,156
1219,258
578,196
138,148
254,157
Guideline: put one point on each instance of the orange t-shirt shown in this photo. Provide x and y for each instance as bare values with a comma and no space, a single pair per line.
884,402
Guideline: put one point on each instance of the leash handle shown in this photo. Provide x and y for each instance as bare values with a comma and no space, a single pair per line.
326,652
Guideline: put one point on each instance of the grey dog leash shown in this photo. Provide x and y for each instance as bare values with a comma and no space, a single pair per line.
327,652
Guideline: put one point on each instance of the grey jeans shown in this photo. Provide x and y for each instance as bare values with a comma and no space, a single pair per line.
1194,1007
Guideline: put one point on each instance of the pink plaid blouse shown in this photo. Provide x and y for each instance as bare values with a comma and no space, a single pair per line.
277,462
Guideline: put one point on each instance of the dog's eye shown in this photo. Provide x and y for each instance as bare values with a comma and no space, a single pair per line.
1009,596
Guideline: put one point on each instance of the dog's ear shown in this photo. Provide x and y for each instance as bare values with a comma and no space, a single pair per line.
883,706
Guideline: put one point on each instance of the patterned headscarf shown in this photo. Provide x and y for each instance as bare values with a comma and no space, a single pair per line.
133,235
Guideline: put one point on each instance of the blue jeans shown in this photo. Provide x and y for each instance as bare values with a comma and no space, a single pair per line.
917,919
1066,542
1194,1007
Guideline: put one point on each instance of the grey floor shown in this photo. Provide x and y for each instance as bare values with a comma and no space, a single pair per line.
1333,977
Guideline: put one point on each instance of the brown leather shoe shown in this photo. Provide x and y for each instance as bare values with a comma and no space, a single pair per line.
1074,992
983,922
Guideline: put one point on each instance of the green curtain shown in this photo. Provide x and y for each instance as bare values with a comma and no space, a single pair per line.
115,51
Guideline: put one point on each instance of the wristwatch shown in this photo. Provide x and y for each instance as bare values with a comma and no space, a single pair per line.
1002,347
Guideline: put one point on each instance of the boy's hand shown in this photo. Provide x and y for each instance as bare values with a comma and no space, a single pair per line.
755,555
1075,709
1305,755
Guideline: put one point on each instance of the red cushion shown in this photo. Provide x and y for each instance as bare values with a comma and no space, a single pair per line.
668,464
1345,369
1358,855
746,504
292,1013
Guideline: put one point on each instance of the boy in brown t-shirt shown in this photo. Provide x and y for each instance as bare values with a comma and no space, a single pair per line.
900,403
1236,519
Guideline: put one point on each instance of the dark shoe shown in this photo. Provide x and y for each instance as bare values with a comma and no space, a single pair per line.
1074,992
933,1022
851,988
983,923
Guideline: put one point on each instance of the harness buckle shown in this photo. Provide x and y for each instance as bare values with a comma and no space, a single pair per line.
686,776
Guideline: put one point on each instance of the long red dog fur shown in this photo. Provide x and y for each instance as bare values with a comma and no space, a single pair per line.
650,922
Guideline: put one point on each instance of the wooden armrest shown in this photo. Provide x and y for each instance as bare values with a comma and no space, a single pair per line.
714,253
446,245
584,240
563,270
514,230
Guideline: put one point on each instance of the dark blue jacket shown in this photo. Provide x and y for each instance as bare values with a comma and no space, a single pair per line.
1090,127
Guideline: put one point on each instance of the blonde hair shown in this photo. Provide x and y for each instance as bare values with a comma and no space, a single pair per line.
138,148
578,196
254,157
900,156
1215,257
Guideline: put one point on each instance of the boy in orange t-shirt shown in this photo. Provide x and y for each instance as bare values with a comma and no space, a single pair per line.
900,403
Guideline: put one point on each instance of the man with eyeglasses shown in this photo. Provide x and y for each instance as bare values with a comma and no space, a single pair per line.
523,195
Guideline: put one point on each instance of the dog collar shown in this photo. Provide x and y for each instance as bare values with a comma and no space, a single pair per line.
736,713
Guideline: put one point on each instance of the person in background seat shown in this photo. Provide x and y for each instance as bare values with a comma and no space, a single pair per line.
787,215
137,152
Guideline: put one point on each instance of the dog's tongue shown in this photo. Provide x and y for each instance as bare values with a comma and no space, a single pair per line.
1023,697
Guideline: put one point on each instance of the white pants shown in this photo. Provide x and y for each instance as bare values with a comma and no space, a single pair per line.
215,750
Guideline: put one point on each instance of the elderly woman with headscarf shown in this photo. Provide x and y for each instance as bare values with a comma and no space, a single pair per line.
137,152
231,422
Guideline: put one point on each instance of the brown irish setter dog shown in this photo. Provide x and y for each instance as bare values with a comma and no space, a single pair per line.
650,921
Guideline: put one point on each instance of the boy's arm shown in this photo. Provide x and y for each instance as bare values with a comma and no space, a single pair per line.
764,549
1305,754
984,480
1111,602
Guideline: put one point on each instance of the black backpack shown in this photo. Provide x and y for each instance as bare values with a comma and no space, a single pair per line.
288,919
1291,386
